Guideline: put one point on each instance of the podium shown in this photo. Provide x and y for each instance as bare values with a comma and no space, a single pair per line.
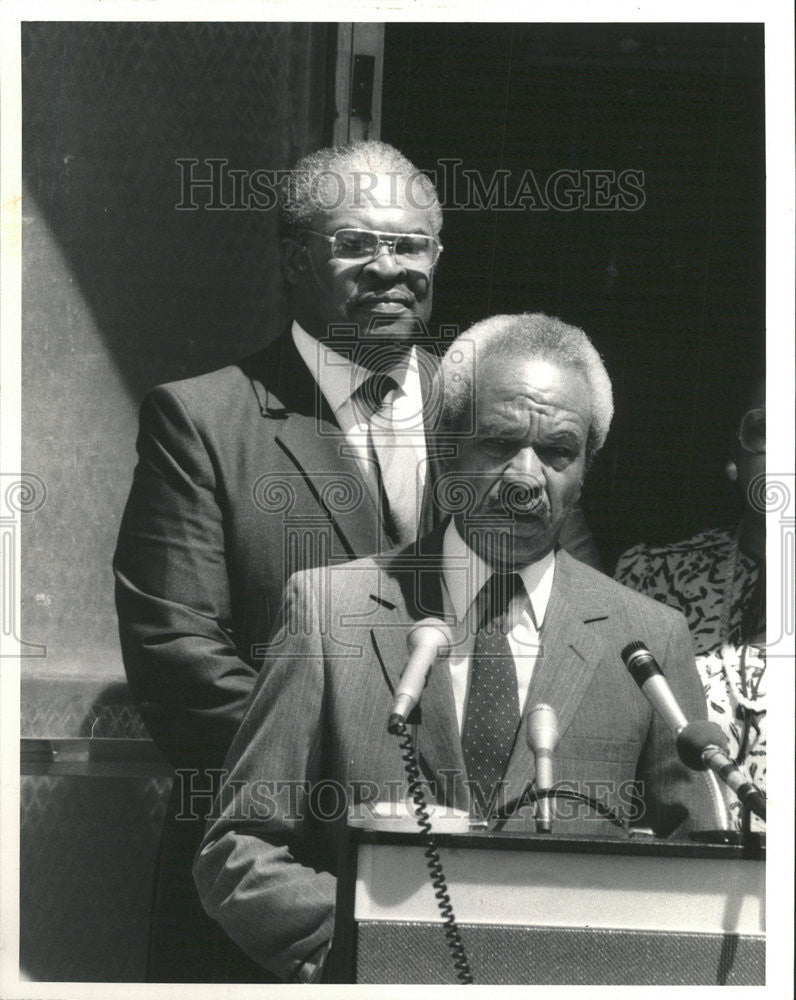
535,909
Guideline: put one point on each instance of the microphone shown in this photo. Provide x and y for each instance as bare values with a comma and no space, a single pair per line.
427,640
542,736
654,686
702,746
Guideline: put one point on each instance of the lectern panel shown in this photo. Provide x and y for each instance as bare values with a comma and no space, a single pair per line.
400,952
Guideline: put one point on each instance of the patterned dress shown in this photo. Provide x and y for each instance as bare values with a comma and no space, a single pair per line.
720,590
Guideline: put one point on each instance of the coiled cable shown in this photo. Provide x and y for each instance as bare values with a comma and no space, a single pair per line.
452,936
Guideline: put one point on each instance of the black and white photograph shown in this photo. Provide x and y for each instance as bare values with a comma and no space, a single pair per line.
398,580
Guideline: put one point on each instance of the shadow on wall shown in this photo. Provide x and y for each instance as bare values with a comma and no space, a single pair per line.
121,289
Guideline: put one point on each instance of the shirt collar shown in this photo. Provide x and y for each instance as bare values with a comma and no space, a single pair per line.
338,377
465,573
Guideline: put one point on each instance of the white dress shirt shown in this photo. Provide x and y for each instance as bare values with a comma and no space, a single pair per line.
464,573
338,379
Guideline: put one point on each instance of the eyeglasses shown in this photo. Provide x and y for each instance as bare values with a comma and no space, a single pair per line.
752,431
413,250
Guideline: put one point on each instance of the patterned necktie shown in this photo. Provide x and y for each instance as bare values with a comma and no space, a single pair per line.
493,711
394,457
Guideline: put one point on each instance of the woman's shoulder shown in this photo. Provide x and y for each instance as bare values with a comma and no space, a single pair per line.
705,545
659,569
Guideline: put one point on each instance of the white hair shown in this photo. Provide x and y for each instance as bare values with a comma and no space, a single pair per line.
524,336
319,181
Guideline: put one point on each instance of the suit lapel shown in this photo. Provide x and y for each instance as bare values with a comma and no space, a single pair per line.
570,654
320,454
311,439
415,577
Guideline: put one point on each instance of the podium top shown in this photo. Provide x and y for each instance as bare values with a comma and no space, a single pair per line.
641,846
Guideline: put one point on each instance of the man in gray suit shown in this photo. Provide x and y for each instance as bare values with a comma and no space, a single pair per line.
526,404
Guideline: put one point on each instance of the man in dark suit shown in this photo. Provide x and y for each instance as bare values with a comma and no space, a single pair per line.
269,466
526,404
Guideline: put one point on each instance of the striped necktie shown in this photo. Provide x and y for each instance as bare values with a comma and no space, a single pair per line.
393,457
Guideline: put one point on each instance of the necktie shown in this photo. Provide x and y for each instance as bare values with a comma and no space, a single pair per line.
394,457
493,712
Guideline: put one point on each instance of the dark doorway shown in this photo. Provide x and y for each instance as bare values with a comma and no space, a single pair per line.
642,222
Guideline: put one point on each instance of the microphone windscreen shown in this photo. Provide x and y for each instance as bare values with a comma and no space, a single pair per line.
431,633
640,662
694,738
542,728
630,648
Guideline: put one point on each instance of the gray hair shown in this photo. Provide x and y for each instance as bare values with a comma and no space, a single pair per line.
319,181
525,336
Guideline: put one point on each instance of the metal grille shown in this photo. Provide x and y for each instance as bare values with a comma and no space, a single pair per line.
72,707
415,953
87,858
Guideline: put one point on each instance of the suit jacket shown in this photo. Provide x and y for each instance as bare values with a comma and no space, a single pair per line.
318,720
242,479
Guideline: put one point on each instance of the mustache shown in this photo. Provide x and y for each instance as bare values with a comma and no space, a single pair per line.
389,294
518,499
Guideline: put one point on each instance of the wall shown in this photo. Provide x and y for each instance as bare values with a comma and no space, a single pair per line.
123,291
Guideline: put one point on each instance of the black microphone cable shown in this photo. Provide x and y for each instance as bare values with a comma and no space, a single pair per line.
453,938
531,796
